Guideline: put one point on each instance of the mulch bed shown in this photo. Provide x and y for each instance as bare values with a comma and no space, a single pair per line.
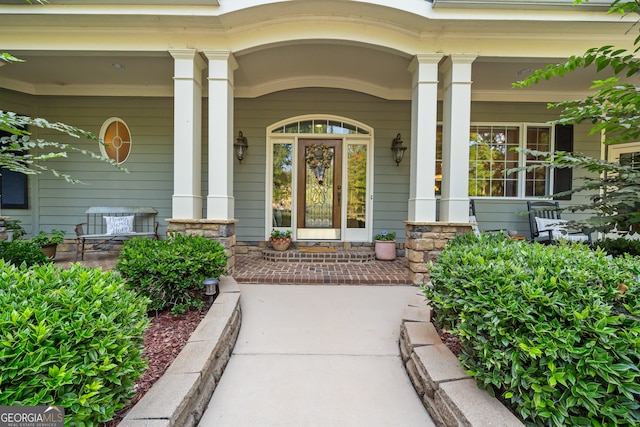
450,340
163,340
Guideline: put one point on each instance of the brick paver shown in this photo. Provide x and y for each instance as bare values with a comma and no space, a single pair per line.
253,269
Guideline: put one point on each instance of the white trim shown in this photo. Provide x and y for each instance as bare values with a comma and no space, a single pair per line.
395,94
520,4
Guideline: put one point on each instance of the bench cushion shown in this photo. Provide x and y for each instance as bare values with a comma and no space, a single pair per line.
119,224
558,228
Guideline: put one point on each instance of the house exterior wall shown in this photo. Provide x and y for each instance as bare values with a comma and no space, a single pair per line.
54,203
391,182
21,104
496,213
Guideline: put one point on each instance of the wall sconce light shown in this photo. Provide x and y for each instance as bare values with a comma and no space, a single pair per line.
240,146
398,149
210,288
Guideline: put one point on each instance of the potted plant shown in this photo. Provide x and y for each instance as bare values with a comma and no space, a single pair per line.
280,240
49,243
385,246
14,229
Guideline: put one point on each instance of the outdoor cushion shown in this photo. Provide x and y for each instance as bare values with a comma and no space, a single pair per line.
558,229
119,224
474,225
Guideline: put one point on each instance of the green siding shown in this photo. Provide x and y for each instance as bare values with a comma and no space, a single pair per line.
253,116
21,104
57,204
149,182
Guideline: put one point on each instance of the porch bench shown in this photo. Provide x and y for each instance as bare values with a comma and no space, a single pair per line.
110,223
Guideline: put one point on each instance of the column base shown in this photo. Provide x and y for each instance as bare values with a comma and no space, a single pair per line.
184,206
223,231
425,241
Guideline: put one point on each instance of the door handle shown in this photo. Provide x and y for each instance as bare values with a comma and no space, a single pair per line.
339,194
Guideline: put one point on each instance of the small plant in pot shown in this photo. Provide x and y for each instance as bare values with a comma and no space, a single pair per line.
280,240
385,246
14,229
49,242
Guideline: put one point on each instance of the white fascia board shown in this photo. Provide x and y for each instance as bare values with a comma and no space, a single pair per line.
520,4
128,2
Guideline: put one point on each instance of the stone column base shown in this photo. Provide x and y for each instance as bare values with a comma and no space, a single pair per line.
223,231
425,241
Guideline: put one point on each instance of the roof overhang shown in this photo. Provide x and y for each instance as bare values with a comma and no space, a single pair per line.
128,2
520,4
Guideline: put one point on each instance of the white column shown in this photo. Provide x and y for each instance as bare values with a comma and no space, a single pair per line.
424,106
220,202
187,135
456,116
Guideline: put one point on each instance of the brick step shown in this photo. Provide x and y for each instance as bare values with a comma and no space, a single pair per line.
326,255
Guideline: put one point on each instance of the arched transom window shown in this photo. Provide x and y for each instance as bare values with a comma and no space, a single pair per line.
323,126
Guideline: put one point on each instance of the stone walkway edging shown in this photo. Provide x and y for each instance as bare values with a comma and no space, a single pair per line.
181,395
450,395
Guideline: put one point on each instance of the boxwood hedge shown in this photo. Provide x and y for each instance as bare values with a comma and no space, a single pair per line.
170,272
553,331
69,337
22,251
619,246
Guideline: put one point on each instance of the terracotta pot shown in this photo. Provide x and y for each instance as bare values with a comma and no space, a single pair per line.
385,250
280,244
49,250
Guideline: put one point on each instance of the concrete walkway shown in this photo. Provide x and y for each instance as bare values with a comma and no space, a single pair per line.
318,356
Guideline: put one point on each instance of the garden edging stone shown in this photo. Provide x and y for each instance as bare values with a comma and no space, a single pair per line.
180,396
450,395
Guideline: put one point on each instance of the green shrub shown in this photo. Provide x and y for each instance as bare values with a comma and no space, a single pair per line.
170,272
617,247
545,328
69,337
19,251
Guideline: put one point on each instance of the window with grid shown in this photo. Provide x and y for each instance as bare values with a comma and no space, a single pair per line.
630,159
537,180
492,152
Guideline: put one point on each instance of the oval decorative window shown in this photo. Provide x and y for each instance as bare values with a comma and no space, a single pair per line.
115,140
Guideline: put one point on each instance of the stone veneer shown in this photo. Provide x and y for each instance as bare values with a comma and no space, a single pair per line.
452,397
223,231
424,242
182,394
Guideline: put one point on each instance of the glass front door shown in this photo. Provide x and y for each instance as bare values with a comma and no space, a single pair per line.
320,179
319,189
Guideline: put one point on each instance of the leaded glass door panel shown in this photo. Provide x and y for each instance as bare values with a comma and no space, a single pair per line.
319,196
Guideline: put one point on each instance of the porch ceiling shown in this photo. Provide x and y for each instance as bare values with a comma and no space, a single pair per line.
356,67
102,48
